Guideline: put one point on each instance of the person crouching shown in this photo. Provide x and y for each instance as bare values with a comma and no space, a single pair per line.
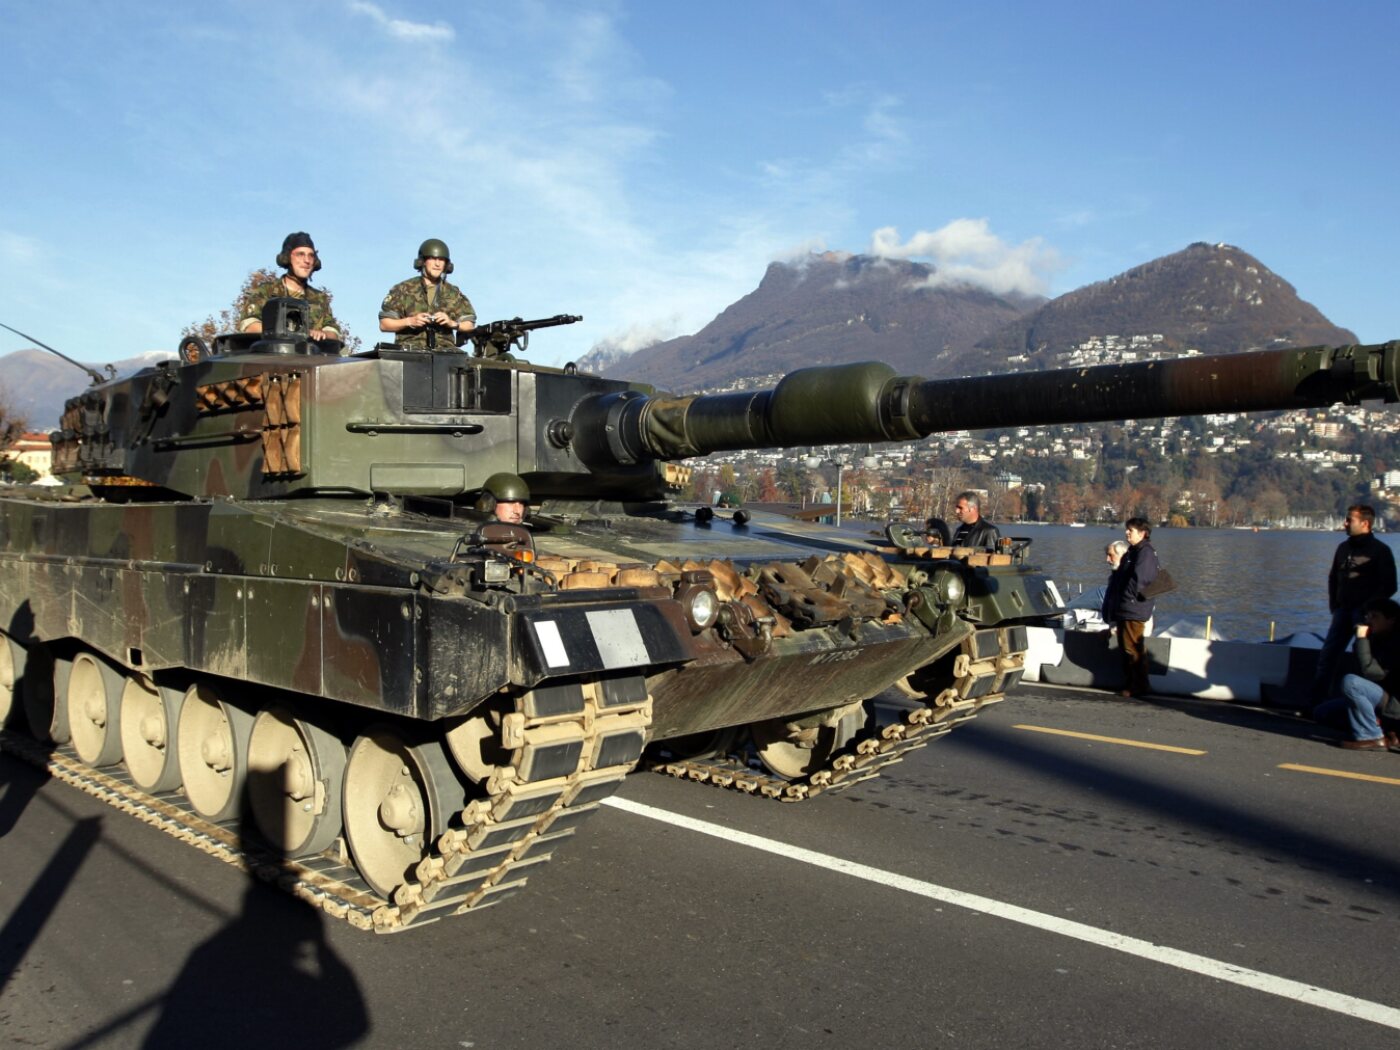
1371,696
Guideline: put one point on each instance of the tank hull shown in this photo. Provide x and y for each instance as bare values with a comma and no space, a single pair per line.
347,620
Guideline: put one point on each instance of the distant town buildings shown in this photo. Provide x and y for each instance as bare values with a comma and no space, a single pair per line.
34,451
1316,439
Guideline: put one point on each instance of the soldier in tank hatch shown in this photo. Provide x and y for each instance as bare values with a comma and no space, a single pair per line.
973,530
300,260
426,312
508,497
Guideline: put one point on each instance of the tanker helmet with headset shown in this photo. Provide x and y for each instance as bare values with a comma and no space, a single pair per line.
433,248
300,239
502,487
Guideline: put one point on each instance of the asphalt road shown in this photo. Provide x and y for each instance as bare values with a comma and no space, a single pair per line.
1214,889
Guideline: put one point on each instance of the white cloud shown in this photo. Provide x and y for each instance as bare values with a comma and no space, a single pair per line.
965,251
640,336
402,28
800,254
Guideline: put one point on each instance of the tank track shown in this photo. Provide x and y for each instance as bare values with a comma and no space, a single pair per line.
980,677
481,859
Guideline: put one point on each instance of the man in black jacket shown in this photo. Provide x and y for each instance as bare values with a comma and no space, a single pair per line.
1125,606
1372,694
1362,569
974,530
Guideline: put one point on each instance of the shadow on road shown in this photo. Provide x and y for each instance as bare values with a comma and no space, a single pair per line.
21,783
34,909
1271,835
267,978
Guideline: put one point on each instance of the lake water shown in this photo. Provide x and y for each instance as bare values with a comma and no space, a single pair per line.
1241,579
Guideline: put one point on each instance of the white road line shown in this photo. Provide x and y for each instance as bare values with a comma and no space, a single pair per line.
1262,982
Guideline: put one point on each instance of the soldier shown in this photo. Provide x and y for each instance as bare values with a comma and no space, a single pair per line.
298,257
510,494
423,312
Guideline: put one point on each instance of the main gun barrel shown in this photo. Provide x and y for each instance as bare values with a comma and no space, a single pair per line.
869,402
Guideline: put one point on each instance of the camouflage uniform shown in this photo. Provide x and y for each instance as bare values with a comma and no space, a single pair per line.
411,297
321,316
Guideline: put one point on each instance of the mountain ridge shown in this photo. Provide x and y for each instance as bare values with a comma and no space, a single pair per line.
836,308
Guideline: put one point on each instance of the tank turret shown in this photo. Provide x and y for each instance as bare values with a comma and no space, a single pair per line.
254,424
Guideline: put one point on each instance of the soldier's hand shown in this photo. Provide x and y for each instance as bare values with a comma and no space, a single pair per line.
441,318
318,334
419,320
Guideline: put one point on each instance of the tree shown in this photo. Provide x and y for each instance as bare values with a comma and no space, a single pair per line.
19,473
940,492
792,480
227,321
12,425
768,491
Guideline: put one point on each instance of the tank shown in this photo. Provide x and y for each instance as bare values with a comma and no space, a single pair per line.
272,613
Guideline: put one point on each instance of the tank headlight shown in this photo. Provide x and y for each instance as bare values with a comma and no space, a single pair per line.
948,584
495,571
696,593
703,609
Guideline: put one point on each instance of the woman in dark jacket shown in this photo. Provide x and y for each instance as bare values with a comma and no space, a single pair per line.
1125,606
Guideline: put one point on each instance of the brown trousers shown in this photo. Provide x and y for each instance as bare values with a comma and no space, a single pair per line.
1134,646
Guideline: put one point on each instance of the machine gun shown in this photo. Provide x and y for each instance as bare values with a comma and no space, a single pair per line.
496,339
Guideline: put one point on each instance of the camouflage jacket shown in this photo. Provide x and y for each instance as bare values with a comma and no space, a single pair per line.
411,297
321,316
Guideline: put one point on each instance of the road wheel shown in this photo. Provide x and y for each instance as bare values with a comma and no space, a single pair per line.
399,797
150,714
794,748
11,674
295,778
212,741
93,702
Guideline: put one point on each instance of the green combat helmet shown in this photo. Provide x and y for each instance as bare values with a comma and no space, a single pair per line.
433,248
507,487
502,487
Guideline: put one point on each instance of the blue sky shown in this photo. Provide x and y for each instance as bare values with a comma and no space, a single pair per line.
641,164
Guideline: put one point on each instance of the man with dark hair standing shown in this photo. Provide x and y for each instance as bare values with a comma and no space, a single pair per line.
1362,569
1125,606
299,259
974,530
426,312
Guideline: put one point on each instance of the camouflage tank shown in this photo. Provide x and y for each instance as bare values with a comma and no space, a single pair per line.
273,615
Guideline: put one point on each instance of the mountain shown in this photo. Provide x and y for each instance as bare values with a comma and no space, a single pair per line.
35,383
835,308
1211,297
831,308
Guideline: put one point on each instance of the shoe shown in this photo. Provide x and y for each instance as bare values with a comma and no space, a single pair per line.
1125,693
1392,741
1377,744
